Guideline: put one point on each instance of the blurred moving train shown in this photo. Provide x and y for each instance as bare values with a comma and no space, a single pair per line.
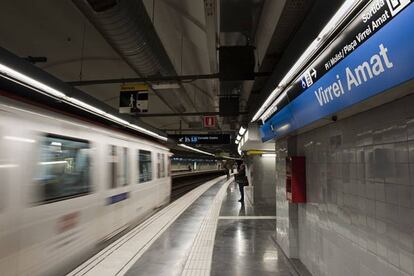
67,185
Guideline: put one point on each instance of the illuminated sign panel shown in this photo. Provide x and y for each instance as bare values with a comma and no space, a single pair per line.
217,139
376,55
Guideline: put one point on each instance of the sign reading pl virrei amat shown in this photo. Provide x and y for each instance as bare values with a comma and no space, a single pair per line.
373,54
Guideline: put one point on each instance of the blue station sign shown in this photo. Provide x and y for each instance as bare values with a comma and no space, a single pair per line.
379,56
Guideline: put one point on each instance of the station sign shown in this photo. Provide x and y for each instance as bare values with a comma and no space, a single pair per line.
372,54
209,121
133,98
202,139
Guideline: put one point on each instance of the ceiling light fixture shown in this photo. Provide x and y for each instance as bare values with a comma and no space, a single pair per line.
242,131
333,23
36,85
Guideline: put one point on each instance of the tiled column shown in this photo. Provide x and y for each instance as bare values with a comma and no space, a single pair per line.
287,213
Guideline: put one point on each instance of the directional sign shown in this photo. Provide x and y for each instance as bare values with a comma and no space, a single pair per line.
378,56
212,139
209,121
357,31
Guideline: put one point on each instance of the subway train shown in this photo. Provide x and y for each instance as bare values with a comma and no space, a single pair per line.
68,186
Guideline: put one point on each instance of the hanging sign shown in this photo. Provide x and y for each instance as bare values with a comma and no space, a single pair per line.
133,98
371,19
211,139
376,55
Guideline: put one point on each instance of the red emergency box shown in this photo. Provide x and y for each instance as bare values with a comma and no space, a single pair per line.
296,179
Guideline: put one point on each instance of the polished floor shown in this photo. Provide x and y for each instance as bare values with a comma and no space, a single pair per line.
168,255
244,244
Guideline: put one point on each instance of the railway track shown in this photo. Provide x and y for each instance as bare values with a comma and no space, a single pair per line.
183,182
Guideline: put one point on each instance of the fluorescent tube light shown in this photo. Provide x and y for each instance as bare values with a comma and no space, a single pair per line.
333,23
269,155
242,131
25,80
53,162
273,107
196,150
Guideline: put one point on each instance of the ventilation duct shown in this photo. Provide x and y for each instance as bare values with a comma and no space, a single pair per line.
127,27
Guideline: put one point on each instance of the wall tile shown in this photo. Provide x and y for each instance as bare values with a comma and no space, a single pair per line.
361,220
406,261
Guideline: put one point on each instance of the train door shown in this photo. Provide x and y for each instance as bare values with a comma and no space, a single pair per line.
8,211
117,193
59,206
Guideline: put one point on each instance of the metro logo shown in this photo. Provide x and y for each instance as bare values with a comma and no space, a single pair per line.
396,6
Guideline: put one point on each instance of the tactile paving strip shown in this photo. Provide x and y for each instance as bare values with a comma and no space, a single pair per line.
201,254
118,257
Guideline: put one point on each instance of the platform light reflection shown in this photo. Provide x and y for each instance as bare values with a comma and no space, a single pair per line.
40,87
329,28
8,166
19,139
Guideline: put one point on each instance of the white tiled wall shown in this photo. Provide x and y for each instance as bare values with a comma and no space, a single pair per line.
286,213
262,177
359,219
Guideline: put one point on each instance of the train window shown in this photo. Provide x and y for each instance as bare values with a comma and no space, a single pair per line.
125,167
169,166
145,169
113,162
162,165
63,168
118,166
159,165
4,166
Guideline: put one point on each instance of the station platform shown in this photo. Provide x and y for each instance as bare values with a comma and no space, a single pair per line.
205,232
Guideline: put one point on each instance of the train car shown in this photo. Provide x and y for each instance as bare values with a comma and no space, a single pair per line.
67,185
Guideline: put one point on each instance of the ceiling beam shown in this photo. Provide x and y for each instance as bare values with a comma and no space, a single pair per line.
141,115
198,129
157,79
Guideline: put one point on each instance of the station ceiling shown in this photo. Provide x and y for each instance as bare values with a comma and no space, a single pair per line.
190,31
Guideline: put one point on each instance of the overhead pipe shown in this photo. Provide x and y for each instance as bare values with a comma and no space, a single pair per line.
127,27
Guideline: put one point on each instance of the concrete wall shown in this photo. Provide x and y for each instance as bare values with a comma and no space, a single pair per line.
359,219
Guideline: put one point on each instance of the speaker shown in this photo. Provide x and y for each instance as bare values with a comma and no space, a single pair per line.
236,63
229,105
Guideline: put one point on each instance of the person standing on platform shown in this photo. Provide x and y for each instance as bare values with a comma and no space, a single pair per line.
241,180
227,166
